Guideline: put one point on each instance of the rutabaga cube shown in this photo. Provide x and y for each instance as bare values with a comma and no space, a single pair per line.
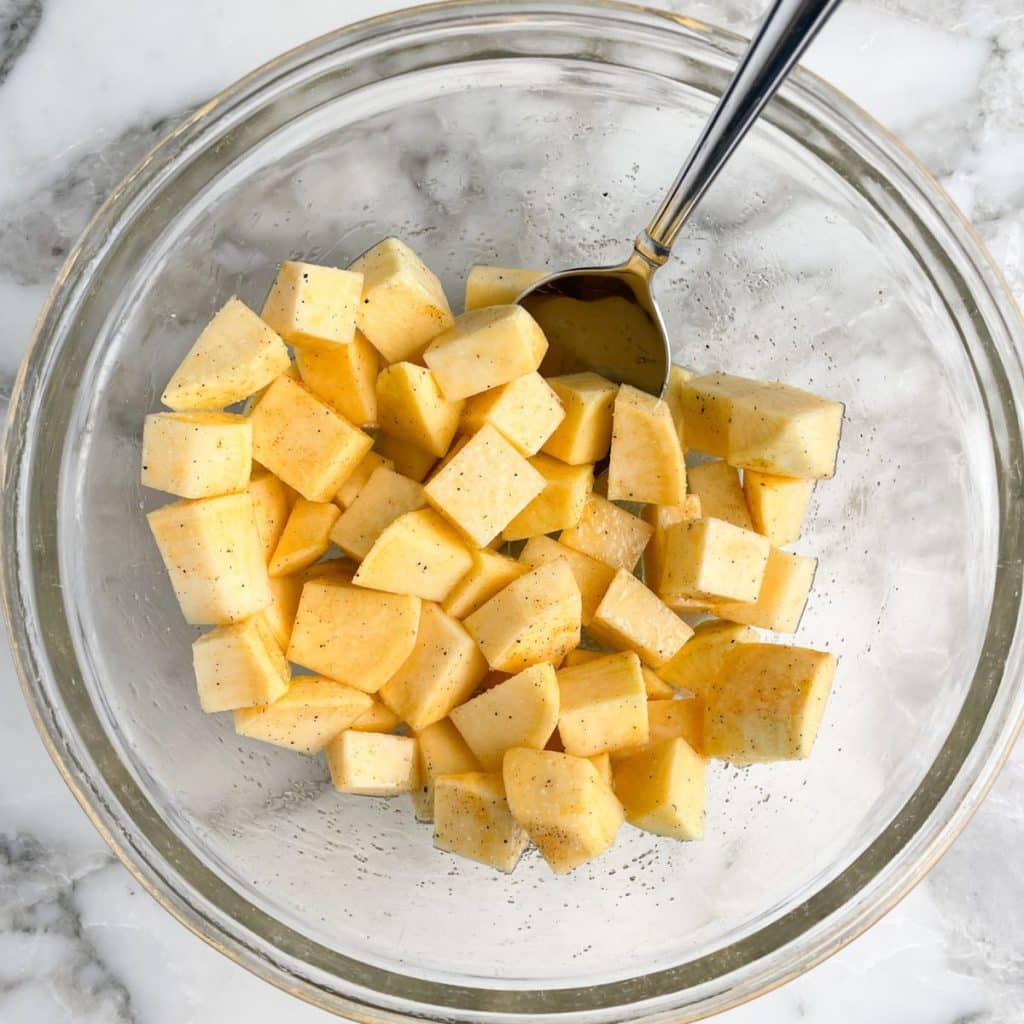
272,501
585,434
235,356
603,705
608,533
769,703
656,687
382,499
535,618
349,490
305,537
783,597
443,670
372,763
405,458
489,573
484,486
214,557
352,635
668,719
773,428
279,615
699,665
410,407
559,506
196,454
525,410
677,377
345,377
497,286
312,306
778,505
712,559
442,751
403,304
592,577
564,804
379,718
472,819
484,349
717,487
238,666
519,712
304,441
663,789
660,518
646,462
310,713
420,554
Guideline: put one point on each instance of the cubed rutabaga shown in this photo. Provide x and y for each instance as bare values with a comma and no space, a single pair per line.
783,597
214,557
497,286
378,718
699,664
717,487
663,789
410,407
712,559
235,356
646,461
305,537
585,434
279,615
196,454
677,377
535,618
484,349
656,687
443,670
353,635
372,763
592,577
312,306
773,428
304,441
559,506
778,505
489,573
405,458
238,666
403,304
310,713
345,377
272,501
484,486
769,703
564,804
660,518
382,499
668,719
442,751
608,533
349,490
519,712
525,410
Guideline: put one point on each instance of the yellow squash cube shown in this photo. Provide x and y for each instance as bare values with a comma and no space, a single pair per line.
592,577
403,304
272,501
235,356
608,533
410,407
564,804
559,506
718,488
489,573
420,554
378,718
712,559
656,687
279,615
358,478
345,377
525,410
646,461
196,454
405,458
663,789
352,635
442,751
312,306
214,557
535,618
382,499
773,428
484,349
310,713
700,662
677,377
660,518
519,712
372,763
305,538
304,441
778,505
238,666
585,434
603,705
444,670
497,286
783,597
484,486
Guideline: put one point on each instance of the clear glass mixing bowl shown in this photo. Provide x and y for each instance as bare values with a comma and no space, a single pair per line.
538,134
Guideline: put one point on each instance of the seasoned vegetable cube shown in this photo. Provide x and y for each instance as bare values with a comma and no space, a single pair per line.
272,501
196,454
382,499
608,533
489,573
345,377
472,819
442,751
699,664
405,458
585,434
780,605
559,506
709,558
592,577
372,763
717,487
279,615
305,537
525,411
357,480
646,457
663,789
238,666
497,286
312,306
603,705
410,407
660,518
778,505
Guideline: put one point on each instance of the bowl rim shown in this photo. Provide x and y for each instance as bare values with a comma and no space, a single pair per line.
28,645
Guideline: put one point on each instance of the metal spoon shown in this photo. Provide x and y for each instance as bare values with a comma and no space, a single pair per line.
606,319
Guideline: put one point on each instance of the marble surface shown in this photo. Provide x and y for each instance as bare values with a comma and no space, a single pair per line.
85,87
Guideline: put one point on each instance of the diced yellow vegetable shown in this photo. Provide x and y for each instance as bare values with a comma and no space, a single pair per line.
304,441
272,501
306,717
497,286
196,454
709,558
350,489
780,605
444,670
660,518
406,458
238,666
520,712
646,461
699,664
663,789
420,554
535,618
249,404
656,687
379,718
778,505
372,763
718,488
585,434
603,764
484,486
484,349
668,719
305,537
489,573
769,703
403,304
525,410
592,577
382,499
603,705
769,427
472,819
214,557
279,615
235,356
442,751
569,811
410,407
345,377
677,377
353,635
608,533
334,570
559,506
312,306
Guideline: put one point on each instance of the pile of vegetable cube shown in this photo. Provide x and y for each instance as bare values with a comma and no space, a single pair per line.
406,509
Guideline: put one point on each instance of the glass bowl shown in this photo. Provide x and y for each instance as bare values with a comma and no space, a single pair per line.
538,134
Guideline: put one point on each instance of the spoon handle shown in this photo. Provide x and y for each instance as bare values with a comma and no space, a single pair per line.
785,33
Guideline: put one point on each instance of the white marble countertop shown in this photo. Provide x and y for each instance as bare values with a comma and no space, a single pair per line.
85,87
